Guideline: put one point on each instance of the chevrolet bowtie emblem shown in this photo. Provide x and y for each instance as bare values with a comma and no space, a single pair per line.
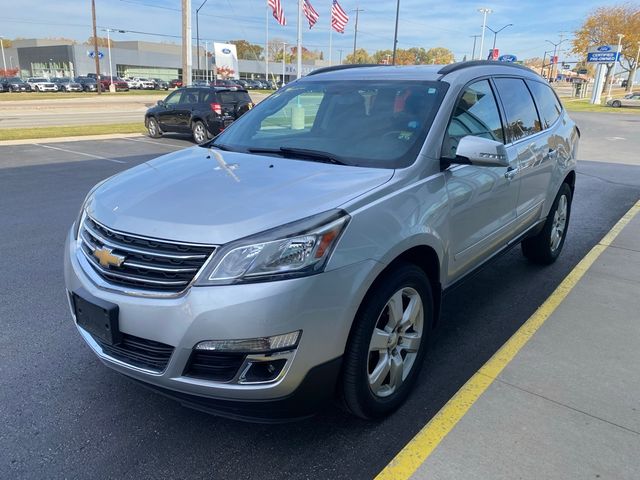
107,258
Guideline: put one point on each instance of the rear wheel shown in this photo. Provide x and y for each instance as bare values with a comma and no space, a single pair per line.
388,343
616,104
153,128
545,247
199,132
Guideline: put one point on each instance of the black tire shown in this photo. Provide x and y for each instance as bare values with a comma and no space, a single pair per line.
543,249
153,128
357,393
200,134
616,103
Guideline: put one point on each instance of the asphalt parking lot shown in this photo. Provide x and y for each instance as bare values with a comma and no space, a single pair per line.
65,415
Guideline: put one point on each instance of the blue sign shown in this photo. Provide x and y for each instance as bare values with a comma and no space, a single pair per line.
226,51
603,57
507,58
92,54
604,48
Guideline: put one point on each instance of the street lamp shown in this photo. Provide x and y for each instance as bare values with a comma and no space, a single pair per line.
475,38
615,64
554,60
198,32
496,32
484,12
109,30
4,62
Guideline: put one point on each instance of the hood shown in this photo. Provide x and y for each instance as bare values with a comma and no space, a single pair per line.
203,196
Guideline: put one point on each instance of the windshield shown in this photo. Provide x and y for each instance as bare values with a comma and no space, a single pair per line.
374,123
15,80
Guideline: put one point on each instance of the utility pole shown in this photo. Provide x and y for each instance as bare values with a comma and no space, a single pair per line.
187,61
475,38
496,32
395,35
95,47
355,35
198,34
299,47
554,59
284,54
484,12
340,50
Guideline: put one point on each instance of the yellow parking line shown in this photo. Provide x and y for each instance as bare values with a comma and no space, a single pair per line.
407,461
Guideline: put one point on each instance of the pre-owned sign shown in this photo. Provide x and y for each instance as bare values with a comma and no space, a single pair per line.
603,54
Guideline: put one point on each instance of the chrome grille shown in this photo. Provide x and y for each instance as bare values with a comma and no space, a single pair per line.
149,264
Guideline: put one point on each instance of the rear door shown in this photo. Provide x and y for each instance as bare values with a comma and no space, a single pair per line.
188,103
529,144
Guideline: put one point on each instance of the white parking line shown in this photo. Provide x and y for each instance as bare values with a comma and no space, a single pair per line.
172,145
91,155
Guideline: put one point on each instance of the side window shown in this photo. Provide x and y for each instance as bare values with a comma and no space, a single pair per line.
476,113
522,116
548,104
174,98
190,97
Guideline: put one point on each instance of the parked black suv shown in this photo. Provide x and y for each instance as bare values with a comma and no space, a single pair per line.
15,84
203,111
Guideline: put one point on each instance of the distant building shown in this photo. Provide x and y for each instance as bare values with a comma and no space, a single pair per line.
59,58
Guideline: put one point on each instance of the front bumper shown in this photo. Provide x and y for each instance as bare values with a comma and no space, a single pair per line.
321,306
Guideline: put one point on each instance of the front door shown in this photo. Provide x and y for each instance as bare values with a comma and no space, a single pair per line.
167,116
482,199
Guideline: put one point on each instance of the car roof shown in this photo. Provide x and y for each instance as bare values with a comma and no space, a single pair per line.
215,89
452,73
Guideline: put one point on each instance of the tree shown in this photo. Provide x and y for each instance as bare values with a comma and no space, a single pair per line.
381,57
9,72
248,51
360,57
414,56
440,56
307,54
602,27
102,41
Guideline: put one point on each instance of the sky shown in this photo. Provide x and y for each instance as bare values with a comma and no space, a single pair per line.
423,23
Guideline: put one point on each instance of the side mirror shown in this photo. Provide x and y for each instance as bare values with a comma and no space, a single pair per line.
161,103
482,152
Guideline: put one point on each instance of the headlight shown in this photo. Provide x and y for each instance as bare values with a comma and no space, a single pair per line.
294,250
82,212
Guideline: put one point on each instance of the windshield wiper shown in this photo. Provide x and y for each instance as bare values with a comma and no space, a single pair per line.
220,146
316,155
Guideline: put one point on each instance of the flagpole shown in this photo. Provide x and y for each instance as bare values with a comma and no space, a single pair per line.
331,34
266,45
299,48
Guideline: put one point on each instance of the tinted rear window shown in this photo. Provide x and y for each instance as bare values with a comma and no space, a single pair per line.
234,97
548,104
522,116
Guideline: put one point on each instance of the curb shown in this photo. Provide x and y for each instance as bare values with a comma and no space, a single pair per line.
79,138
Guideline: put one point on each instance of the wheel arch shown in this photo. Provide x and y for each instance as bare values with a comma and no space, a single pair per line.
570,179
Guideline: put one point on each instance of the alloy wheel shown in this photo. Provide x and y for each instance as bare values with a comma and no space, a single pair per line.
559,223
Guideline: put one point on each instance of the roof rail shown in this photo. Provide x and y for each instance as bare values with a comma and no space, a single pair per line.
342,67
454,67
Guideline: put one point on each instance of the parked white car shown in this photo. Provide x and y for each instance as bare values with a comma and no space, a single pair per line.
41,84
144,83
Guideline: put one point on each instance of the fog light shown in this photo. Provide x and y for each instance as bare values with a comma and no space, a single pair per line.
276,343
262,371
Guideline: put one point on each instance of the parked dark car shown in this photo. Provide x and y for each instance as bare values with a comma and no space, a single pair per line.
88,84
175,83
203,111
67,84
160,84
199,83
253,84
223,83
240,83
121,85
15,84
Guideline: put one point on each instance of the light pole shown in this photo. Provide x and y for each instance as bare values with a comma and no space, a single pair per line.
355,34
544,58
554,59
284,54
615,64
395,35
4,62
198,34
475,38
484,12
496,32
633,77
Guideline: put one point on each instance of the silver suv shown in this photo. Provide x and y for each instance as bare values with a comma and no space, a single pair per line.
303,253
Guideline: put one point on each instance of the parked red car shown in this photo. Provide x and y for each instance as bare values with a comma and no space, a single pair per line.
121,85
175,83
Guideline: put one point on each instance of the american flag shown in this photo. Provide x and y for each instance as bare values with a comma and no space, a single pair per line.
310,13
339,17
278,12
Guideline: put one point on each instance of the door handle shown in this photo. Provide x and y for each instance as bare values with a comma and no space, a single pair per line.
511,173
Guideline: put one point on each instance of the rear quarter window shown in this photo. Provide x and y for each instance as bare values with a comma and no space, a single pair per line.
547,101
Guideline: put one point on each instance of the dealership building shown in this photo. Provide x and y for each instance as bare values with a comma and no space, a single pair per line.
59,58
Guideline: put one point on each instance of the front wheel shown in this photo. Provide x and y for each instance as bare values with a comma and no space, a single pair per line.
153,128
387,343
546,246
616,104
